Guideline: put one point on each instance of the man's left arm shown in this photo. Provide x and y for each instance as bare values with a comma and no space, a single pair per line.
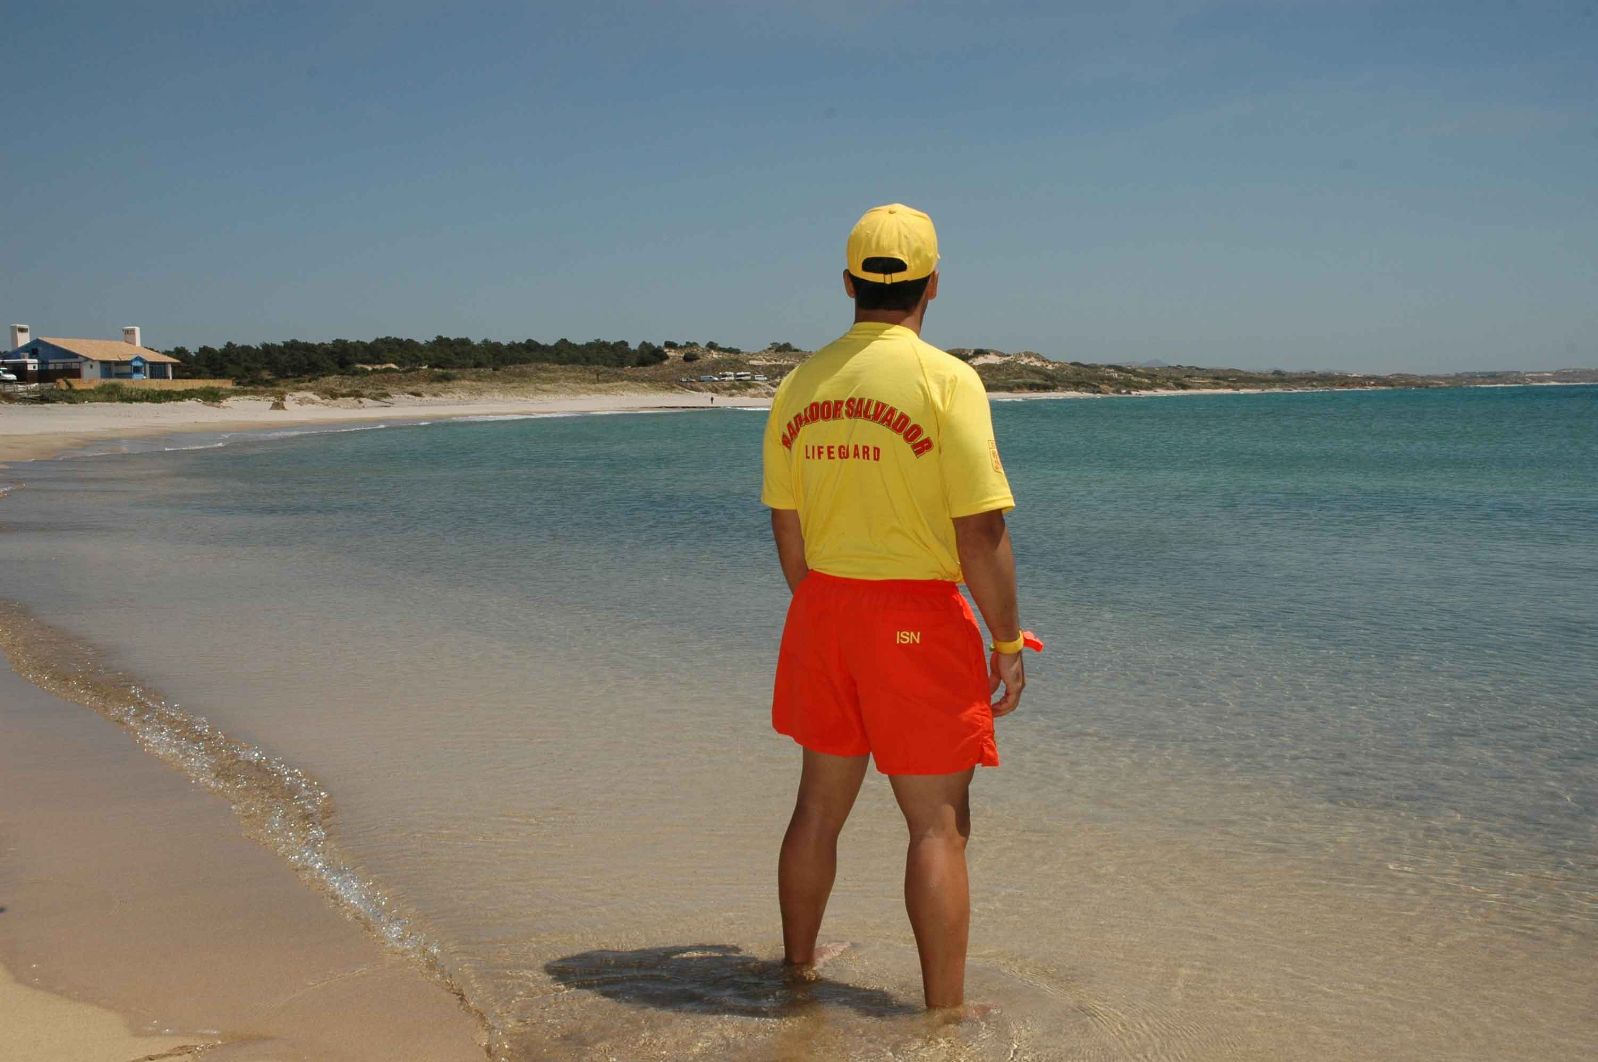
777,494
790,538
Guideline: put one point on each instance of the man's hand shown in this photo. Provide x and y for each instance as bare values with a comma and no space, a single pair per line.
1008,669
989,567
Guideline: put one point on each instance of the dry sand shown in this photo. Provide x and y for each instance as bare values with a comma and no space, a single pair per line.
31,432
41,1027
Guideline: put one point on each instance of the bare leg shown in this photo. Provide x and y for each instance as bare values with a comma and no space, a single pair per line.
828,786
937,809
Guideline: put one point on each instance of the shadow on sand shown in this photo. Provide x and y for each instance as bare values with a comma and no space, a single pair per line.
712,979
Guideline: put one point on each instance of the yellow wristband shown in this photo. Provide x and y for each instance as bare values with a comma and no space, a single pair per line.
1008,647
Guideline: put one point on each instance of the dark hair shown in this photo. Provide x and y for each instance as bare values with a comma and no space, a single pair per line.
903,296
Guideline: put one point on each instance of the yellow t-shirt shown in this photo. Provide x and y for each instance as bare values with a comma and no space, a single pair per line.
879,440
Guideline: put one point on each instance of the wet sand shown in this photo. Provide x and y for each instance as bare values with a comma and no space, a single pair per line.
136,920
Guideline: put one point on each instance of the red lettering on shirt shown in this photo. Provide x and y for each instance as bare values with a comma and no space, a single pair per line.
856,408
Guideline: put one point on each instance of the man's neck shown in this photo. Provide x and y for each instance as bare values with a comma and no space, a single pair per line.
911,320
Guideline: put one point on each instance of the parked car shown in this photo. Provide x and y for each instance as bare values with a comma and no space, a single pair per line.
708,379
761,377
7,376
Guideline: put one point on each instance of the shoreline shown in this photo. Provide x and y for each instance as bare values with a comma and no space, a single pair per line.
365,987
148,978
141,921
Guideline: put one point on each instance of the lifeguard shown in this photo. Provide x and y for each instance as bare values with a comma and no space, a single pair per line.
886,491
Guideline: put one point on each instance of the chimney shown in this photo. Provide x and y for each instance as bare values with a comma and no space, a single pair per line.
21,336
130,334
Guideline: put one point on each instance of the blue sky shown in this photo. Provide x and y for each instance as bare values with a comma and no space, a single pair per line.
1350,185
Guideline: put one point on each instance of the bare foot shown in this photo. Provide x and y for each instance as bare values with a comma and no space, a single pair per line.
810,971
963,1013
825,953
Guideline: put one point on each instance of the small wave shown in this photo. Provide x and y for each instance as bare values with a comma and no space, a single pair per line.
313,429
483,418
165,444
135,448
1047,397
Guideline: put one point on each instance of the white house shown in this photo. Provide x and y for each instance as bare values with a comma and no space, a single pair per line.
51,358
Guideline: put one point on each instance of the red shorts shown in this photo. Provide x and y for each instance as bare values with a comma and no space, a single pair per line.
890,667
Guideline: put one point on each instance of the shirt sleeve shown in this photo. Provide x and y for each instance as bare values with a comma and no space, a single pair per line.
776,488
973,477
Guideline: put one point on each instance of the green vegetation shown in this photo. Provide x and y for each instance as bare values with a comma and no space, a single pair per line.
259,364
119,393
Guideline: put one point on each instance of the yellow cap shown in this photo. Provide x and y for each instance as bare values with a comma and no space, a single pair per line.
893,243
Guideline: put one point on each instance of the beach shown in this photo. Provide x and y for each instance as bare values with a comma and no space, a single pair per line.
1264,801
347,998
163,983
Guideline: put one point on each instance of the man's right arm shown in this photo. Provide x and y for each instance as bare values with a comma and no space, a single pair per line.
988,563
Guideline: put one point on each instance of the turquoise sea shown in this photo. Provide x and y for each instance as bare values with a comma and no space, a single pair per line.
1309,770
